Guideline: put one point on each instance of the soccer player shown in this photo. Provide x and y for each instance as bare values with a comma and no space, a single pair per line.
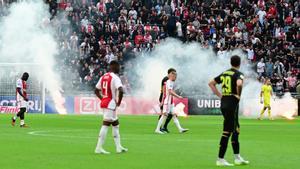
169,117
265,97
109,90
168,104
232,83
22,100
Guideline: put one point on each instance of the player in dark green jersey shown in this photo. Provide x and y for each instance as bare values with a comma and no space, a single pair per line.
232,83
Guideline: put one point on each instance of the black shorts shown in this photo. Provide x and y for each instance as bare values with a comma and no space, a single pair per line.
230,111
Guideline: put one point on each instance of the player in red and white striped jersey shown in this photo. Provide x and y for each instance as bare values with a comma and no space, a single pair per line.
109,90
22,100
168,104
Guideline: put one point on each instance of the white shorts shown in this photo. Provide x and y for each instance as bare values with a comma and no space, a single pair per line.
109,115
168,108
22,104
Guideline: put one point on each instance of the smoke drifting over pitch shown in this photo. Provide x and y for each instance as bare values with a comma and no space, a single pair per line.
26,37
195,66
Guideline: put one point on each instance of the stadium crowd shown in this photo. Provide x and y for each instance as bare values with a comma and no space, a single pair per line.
92,33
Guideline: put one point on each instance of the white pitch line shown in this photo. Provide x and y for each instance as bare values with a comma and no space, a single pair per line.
45,133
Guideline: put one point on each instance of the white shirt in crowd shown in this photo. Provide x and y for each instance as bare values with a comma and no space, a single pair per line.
277,32
69,9
261,67
222,54
261,14
84,22
110,57
238,35
179,29
255,40
250,53
133,13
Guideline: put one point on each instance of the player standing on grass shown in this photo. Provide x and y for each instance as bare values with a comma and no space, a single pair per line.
232,83
168,104
22,100
109,90
169,117
265,98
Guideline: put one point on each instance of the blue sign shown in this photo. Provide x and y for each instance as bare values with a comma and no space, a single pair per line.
34,103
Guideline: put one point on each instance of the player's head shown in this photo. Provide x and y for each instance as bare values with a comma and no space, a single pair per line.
171,70
172,76
235,61
114,66
268,81
25,76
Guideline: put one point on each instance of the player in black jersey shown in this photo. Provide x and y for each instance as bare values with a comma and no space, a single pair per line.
169,117
232,82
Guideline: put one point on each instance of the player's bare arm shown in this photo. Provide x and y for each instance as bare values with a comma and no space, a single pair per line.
173,93
239,88
271,92
212,84
20,93
261,96
97,93
121,92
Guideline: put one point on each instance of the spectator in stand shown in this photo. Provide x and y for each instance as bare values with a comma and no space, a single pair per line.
292,82
279,69
86,28
261,66
269,68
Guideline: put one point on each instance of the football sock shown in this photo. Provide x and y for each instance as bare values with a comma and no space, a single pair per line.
262,113
176,121
102,136
116,135
160,122
235,142
22,122
169,118
223,144
22,115
269,113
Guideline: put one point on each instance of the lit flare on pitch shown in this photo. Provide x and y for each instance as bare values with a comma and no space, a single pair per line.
179,110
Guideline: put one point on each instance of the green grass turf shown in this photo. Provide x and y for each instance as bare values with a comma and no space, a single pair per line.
68,142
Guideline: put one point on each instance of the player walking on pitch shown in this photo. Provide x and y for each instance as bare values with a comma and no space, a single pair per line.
232,83
170,116
265,98
111,89
22,100
168,104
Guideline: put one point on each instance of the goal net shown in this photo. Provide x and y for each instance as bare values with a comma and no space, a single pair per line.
9,73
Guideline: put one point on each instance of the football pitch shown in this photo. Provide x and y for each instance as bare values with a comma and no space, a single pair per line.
68,142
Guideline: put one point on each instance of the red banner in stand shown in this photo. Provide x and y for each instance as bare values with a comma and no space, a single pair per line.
130,105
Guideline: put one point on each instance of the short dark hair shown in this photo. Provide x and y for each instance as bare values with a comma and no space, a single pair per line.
25,74
171,70
114,62
235,61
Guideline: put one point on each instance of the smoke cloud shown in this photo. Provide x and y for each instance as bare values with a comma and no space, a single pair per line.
27,37
195,66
